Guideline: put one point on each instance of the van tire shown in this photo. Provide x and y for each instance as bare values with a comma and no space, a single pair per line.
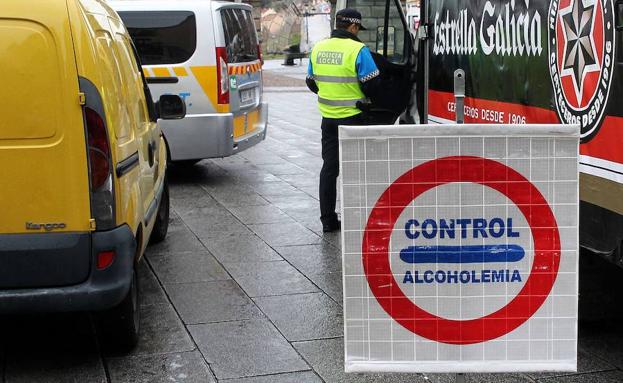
161,226
119,327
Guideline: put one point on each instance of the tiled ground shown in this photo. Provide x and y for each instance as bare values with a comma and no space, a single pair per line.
246,288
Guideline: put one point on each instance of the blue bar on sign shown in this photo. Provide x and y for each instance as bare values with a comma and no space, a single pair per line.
462,254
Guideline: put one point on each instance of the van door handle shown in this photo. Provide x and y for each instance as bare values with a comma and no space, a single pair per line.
151,153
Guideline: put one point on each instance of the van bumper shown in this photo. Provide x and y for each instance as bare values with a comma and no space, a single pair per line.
258,133
199,136
101,290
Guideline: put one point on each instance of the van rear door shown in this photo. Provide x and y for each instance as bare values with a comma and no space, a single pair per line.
44,172
244,67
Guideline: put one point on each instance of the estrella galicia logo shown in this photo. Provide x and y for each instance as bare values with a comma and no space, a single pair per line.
581,59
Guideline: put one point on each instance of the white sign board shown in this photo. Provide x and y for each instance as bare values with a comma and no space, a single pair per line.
460,248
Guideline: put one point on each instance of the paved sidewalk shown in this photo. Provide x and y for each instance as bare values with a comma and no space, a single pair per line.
246,288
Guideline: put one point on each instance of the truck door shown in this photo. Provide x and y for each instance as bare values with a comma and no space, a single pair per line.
392,47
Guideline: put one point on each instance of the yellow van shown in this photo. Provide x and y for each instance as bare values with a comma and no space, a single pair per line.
83,163
208,53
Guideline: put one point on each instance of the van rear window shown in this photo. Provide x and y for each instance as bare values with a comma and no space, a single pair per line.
162,37
240,37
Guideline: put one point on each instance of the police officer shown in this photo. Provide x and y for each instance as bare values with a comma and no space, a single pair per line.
342,72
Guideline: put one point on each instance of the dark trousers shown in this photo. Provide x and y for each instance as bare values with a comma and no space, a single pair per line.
331,165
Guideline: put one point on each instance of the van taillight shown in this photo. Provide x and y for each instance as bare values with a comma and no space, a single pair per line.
222,75
99,149
100,170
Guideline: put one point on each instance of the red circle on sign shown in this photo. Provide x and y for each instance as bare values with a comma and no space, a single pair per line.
409,186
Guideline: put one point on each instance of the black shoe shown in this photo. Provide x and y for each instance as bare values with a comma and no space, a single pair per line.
332,226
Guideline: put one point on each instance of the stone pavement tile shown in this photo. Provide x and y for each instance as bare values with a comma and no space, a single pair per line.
206,233
303,205
586,363
285,168
182,206
285,234
150,291
334,238
311,163
279,188
598,377
296,193
199,266
304,316
260,214
240,199
179,239
216,226
307,214
310,220
211,302
330,284
479,378
300,180
251,179
604,340
236,248
313,259
186,367
263,158
245,349
312,190
208,215
295,155
291,377
327,358
208,223
269,278
161,332
187,191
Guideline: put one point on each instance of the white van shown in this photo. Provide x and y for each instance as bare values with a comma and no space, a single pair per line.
208,53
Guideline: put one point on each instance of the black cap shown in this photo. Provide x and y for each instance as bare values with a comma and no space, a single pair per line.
350,15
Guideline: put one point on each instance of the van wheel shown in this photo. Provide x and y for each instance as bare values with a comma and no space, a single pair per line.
119,327
161,226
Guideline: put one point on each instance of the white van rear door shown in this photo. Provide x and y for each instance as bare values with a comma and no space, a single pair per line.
244,66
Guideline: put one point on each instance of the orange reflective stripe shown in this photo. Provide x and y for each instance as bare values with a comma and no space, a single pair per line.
180,71
244,68
161,72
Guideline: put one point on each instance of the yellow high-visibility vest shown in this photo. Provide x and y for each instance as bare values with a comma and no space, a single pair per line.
335,73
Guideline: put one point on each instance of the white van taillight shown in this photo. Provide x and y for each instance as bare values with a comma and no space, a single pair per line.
222,76
100,170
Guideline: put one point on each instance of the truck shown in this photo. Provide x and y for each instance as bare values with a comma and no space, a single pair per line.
525,62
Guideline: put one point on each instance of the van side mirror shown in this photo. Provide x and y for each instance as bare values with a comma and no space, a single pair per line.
170,107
